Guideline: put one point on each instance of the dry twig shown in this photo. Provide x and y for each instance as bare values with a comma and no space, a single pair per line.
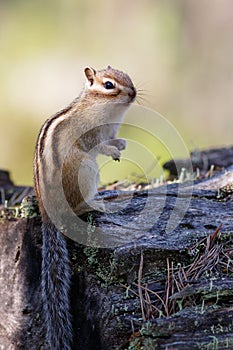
212,257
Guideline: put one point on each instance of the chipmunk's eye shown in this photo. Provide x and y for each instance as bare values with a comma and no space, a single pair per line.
109,85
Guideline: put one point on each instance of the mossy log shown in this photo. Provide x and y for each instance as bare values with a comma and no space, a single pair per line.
156,287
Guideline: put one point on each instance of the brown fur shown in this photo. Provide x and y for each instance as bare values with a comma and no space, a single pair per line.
65,170
86,114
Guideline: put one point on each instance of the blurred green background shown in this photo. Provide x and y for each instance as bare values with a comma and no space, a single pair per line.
180,52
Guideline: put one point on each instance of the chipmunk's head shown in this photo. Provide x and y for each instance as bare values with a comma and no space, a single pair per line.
109,86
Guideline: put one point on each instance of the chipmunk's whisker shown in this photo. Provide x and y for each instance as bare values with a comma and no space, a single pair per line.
141,99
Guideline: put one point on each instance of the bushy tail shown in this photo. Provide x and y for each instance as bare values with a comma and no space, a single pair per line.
56,279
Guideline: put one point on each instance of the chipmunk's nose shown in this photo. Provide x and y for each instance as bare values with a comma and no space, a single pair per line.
133,92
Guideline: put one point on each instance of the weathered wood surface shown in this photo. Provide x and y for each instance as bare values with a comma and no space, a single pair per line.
202,160
106,314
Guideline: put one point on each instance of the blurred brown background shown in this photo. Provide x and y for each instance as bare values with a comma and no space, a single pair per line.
179,51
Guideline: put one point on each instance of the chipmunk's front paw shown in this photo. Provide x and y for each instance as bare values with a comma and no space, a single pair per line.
120,144
116,154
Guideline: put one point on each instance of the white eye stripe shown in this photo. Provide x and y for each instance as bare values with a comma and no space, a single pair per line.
99,86
116,84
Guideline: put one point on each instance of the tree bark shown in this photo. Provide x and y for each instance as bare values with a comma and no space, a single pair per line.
115,287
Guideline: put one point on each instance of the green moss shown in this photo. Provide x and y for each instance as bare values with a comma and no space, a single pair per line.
29,207
102,267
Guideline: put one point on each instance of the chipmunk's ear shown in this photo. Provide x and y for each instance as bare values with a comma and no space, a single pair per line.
90,74
109,67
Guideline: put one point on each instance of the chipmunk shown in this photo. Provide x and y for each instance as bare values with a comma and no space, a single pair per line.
67,146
